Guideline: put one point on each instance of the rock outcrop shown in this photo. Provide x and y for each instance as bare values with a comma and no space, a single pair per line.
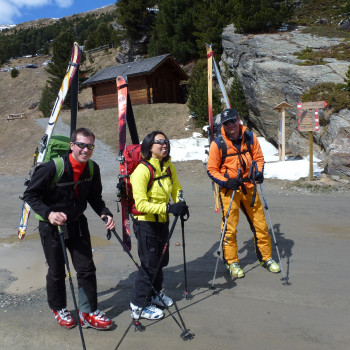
268,69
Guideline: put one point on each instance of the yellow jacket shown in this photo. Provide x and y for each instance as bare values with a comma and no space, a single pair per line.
154,201
231,164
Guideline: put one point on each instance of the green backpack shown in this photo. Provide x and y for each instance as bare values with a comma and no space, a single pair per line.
58,146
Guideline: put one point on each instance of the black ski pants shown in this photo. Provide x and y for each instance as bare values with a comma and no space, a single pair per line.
79,246
151,239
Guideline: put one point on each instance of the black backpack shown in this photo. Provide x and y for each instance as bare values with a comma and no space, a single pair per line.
220,141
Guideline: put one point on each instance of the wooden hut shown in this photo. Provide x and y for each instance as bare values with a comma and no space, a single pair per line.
152,80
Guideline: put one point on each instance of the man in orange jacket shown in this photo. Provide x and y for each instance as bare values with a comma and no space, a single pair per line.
232,153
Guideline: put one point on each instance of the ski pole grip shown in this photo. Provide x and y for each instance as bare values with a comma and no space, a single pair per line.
181,196
182,199
105,219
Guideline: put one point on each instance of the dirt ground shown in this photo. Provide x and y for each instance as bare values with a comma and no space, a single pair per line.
311,311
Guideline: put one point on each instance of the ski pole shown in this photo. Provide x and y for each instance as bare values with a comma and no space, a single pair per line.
221,240
185,332
223,231
272,230
187,294
162,256
60,232
185,335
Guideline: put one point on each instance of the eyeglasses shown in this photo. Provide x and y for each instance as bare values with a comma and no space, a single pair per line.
161,142
82,145
231,121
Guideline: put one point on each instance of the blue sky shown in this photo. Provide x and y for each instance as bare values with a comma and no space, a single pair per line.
18,11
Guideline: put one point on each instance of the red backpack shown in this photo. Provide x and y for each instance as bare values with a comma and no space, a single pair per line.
132,158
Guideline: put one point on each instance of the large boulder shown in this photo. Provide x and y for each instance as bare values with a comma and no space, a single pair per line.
336,141
268,69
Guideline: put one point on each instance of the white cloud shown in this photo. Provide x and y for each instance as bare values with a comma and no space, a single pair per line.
8,12
12,9
64,3
29,3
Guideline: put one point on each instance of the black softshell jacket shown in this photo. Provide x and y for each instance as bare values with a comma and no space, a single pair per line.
43,199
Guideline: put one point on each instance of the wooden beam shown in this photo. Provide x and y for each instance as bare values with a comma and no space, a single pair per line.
311,156
282,129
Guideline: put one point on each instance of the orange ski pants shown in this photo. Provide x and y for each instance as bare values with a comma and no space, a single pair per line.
256,219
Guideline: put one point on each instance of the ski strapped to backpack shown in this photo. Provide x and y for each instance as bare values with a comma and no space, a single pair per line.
125,117
59,164
72,69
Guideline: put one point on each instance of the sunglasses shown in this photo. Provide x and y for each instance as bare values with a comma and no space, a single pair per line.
231,121
82,145
161,142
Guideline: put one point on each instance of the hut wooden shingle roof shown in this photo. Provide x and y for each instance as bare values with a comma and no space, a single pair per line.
130,69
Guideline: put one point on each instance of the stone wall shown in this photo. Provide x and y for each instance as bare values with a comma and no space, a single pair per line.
270,74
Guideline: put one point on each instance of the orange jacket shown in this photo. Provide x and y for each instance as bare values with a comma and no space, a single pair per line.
233,163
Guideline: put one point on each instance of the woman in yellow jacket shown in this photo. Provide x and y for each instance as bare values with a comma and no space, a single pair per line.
242,148
151,226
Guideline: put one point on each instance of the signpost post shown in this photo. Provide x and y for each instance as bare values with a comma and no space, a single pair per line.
282,130
309,121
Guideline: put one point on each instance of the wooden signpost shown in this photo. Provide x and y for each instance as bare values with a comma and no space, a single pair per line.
309,121
282,130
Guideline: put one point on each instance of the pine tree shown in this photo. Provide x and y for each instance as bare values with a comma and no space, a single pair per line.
133,16
62,49
237,98
173,31
14,73
198,95
47,100
210,17
260,15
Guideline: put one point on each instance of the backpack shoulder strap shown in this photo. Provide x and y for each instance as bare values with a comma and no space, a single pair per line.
221,143
91,168
248,140
152,171
59,170
168,170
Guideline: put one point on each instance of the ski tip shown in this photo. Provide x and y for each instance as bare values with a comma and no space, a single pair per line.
22,230
20,235
121,82
122,78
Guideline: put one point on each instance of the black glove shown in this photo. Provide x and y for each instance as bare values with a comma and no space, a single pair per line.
259,177
179,208
233,184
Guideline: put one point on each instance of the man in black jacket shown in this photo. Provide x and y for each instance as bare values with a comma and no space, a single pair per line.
64,205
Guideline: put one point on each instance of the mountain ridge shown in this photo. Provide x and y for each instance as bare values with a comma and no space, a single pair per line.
40,22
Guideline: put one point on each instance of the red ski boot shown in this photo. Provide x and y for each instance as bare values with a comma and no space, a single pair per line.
97,320
64,318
